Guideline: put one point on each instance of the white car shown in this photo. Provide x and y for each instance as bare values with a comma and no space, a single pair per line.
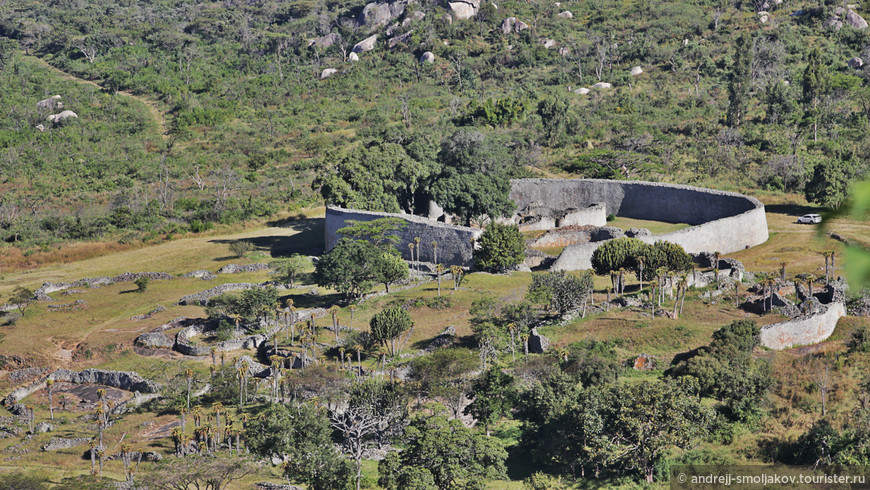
810,219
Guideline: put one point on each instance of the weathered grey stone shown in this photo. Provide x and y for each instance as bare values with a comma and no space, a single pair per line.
582,91
606,233
201,298
50,103
400,39
856,63
264,485
352,57
548,43
429,57
602,85
636,71
61,117
58,443
565,15
538,343
201,274
326,73
366,44
325,41
636,232
444,339
42,428
464,9
154,340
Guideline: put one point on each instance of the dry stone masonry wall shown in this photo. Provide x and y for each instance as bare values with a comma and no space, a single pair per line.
804,330
455,243
721,221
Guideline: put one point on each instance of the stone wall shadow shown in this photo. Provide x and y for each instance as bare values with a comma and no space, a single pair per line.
308,239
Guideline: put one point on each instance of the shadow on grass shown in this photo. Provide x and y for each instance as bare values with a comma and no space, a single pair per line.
308,239
307,301
793,209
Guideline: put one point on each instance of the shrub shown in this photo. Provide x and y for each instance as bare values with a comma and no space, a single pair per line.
501,247
141,283
240,247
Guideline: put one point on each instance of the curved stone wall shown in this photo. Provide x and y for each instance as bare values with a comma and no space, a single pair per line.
721,221
455,243
803,331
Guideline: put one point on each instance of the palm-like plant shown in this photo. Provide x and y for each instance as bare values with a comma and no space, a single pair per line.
188,374
333,311
49,383
456,271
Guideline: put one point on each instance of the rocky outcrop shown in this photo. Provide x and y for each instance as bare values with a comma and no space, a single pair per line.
582,91
538,343
444,339
548,43
606,233
511,24
154,340
325,41
58,443
856,63
636,232
644,362
366,44
636,71
565,15
602,85
845,16
427,57
50,103
352,57
326,73
377,14
464,9
400,39
61,117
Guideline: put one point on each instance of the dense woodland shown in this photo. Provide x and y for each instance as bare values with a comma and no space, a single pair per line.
725,99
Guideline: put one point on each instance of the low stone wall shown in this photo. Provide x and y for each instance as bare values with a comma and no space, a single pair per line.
803,331
123,380
183,345
454,242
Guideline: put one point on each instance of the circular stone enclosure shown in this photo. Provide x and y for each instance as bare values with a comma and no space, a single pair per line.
721,221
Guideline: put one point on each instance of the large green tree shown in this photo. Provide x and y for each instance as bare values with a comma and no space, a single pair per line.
446,451
303,436
499,248
475,180
493,397
349,267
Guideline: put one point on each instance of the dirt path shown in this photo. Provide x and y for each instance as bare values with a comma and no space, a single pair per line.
156,113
